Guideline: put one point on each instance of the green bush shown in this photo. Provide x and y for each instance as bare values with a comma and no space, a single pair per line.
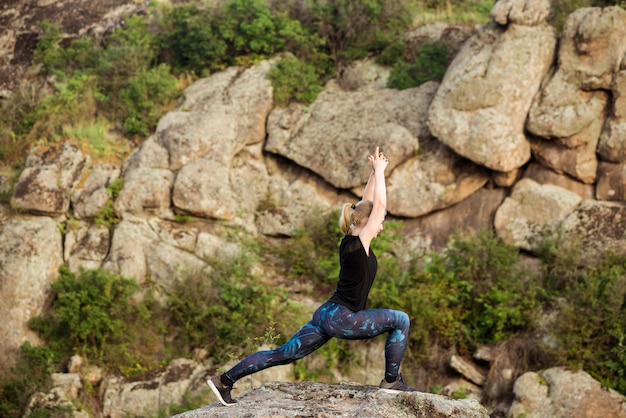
128,52
191,41
93,316
228,310
72,103
430,64
473,293
591,324
249,27
294,80
30,374
503,296
204,40
353,29
146,99
311,254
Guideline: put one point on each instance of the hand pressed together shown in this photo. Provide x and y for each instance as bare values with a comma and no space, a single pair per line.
378,160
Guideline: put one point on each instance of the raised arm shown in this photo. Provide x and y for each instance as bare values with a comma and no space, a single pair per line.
368,192
378,197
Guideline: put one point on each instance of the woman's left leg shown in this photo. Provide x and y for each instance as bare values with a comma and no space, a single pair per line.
339,321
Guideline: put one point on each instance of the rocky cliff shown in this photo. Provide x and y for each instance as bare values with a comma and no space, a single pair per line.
526,134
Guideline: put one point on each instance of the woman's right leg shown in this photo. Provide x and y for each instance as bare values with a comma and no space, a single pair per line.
308,339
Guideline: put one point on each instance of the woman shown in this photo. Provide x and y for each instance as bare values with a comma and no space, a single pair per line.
344,314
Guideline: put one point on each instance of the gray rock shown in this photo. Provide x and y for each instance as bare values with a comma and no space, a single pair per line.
574,155
141,248
559,392
89,197
86,245
612,144
530,211
308,399
432,231
611,184
45,184
481,106
146,191
294,195
544,175
334,136
31,252
598,227
434,179
125,397
572,105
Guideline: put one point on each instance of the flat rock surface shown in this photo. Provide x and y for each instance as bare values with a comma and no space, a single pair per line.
308,399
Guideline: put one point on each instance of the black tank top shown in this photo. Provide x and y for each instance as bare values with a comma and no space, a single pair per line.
356,275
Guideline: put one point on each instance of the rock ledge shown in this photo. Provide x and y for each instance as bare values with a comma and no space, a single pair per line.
308,399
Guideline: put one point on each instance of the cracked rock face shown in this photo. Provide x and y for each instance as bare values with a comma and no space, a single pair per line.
20,22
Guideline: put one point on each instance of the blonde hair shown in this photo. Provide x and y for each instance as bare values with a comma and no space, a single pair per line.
353,215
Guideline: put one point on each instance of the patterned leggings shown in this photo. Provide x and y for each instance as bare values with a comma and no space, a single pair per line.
334,320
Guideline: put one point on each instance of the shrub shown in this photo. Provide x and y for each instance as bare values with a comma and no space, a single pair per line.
250,28
311,254
354,29
190,40
47,52
294,80
473,293
503,296
127,53
17,118
225,311
146,99
591,325
430,64
72,103
92,315
30,374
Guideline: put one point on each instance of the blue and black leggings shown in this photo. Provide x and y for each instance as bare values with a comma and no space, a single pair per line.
334,320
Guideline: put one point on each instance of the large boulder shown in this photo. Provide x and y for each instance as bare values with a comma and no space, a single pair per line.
611,184
434,179
531,210
89,197
150,247
294,195
214,142
559,392
334,136
86,245
130,397
481,106
432,231
44,187
599,228
148,181
571,108
544,175
31,252
575,155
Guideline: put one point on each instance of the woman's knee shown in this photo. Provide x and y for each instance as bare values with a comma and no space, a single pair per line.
403,320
